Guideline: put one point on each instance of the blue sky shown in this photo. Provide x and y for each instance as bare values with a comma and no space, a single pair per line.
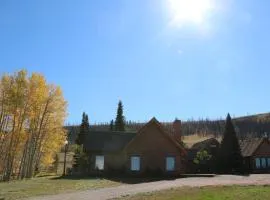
102,51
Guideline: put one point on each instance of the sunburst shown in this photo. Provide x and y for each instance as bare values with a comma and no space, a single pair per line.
189,11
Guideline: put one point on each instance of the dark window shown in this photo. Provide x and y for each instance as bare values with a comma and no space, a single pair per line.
258,163
170,163
135,163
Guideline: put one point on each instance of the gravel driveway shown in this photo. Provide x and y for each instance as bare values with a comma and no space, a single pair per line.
129,189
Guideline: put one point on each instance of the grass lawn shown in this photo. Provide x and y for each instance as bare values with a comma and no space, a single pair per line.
49,185
207,193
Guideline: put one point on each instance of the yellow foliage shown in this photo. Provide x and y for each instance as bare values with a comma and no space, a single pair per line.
33,116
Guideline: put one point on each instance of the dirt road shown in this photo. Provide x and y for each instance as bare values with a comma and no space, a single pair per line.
130,189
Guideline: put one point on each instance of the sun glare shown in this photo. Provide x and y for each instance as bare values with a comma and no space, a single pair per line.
189,11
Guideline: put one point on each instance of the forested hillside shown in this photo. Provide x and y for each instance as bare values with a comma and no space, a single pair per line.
247,126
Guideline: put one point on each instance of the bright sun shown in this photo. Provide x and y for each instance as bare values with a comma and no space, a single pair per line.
189,11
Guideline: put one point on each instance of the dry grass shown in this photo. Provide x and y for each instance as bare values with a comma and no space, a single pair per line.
192,139
49,185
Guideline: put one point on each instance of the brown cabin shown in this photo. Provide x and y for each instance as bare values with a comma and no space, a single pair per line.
256,153
151,149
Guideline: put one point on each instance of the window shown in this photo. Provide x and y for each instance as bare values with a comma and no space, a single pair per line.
99,163
258,163
263,160
135,163
268,162
170,163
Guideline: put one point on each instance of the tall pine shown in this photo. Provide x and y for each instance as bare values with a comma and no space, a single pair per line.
84,129
230,159
111,125
120,119
80,158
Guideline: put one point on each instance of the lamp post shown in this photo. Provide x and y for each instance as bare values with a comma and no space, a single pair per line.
65,157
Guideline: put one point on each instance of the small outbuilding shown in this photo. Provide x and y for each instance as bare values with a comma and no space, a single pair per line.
207,165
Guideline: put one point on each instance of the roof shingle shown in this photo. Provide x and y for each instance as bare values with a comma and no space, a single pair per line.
205,143
107,141
249,146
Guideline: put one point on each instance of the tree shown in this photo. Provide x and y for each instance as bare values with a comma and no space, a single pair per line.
80,156
230,159
32,115
80,160
120,119
202,157
84,129
111,125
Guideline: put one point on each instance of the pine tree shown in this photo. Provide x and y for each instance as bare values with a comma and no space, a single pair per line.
76,158
120,119
111,125
87,125
80,158
230,159
84,129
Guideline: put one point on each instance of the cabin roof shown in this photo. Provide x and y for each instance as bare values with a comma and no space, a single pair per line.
107,141
249,146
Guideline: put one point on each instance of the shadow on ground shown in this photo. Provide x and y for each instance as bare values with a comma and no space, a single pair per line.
132,179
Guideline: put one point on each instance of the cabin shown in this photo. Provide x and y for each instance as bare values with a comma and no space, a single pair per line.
256,153
152,149
155,149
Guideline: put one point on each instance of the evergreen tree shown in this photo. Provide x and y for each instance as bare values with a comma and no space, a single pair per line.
120,119
111,125
84,129
80,157
76,159
81,161
230,159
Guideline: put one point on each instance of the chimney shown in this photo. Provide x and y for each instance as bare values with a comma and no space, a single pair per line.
177,129
266,137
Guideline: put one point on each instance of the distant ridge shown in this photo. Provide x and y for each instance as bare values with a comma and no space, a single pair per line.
260,116
249,126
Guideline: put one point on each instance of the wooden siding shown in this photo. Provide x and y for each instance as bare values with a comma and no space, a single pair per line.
153,146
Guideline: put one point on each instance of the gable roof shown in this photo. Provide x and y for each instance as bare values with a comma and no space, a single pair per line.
249,146
202,145
163,130
112,141
205,143
107,141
